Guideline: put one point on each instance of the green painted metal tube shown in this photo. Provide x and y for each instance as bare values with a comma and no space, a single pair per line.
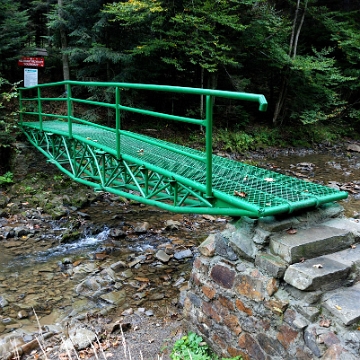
208,147
40,108
117,121
69,108
167,88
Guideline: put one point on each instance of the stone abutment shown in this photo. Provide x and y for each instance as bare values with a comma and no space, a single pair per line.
279,288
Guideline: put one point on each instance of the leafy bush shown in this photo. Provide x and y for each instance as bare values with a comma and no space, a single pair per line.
7,178
8,118
192,347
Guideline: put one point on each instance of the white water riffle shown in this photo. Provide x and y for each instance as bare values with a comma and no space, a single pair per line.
77,247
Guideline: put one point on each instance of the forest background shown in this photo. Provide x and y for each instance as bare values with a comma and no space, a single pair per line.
303,55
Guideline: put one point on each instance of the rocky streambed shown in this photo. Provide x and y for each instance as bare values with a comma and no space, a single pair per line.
77,264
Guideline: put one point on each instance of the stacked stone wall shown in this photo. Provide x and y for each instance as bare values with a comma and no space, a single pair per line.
240,303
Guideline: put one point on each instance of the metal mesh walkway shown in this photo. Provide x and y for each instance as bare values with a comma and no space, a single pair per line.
234,182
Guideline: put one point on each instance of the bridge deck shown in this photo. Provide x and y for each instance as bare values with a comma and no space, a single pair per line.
240,185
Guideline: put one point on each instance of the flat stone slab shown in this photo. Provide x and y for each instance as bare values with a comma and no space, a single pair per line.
310,243
348,224
345,304
315,273
349,257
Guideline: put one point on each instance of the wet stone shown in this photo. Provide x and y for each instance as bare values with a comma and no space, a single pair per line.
162,256
22,314
156,296
126,274
115,297
117,233
83,215
3,301
118,266
142,228
183,254
172,225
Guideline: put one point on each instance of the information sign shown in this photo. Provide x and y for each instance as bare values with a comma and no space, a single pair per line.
31,61
30,77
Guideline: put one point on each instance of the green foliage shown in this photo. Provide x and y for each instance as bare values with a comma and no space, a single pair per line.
14,30
8,118
249,139
241,45
192,347
7,178
238,141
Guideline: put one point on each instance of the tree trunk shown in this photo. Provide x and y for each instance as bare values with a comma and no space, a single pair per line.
294,39
64,45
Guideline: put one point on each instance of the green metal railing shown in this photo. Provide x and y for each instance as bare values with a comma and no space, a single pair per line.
153,171
206,123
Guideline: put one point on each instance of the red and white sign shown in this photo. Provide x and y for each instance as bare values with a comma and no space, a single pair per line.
31,61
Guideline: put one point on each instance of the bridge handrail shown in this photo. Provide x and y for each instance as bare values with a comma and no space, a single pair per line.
206,123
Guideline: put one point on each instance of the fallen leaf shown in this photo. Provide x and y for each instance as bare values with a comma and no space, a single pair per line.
141,279
240,194
77,263
353,246
317,266
338,307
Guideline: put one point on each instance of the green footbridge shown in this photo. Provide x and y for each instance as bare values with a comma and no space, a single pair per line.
152,171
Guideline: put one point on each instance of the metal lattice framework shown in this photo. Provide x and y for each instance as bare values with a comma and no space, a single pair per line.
170,176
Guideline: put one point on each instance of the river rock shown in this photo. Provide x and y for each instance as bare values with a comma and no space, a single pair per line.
118,266
172,225
3,200
22,314
183,254
126,274
117,233
79,338
353,147
142,228
89,285
83,215
21,231
162,256
115,297
3,301
7,232
81,306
